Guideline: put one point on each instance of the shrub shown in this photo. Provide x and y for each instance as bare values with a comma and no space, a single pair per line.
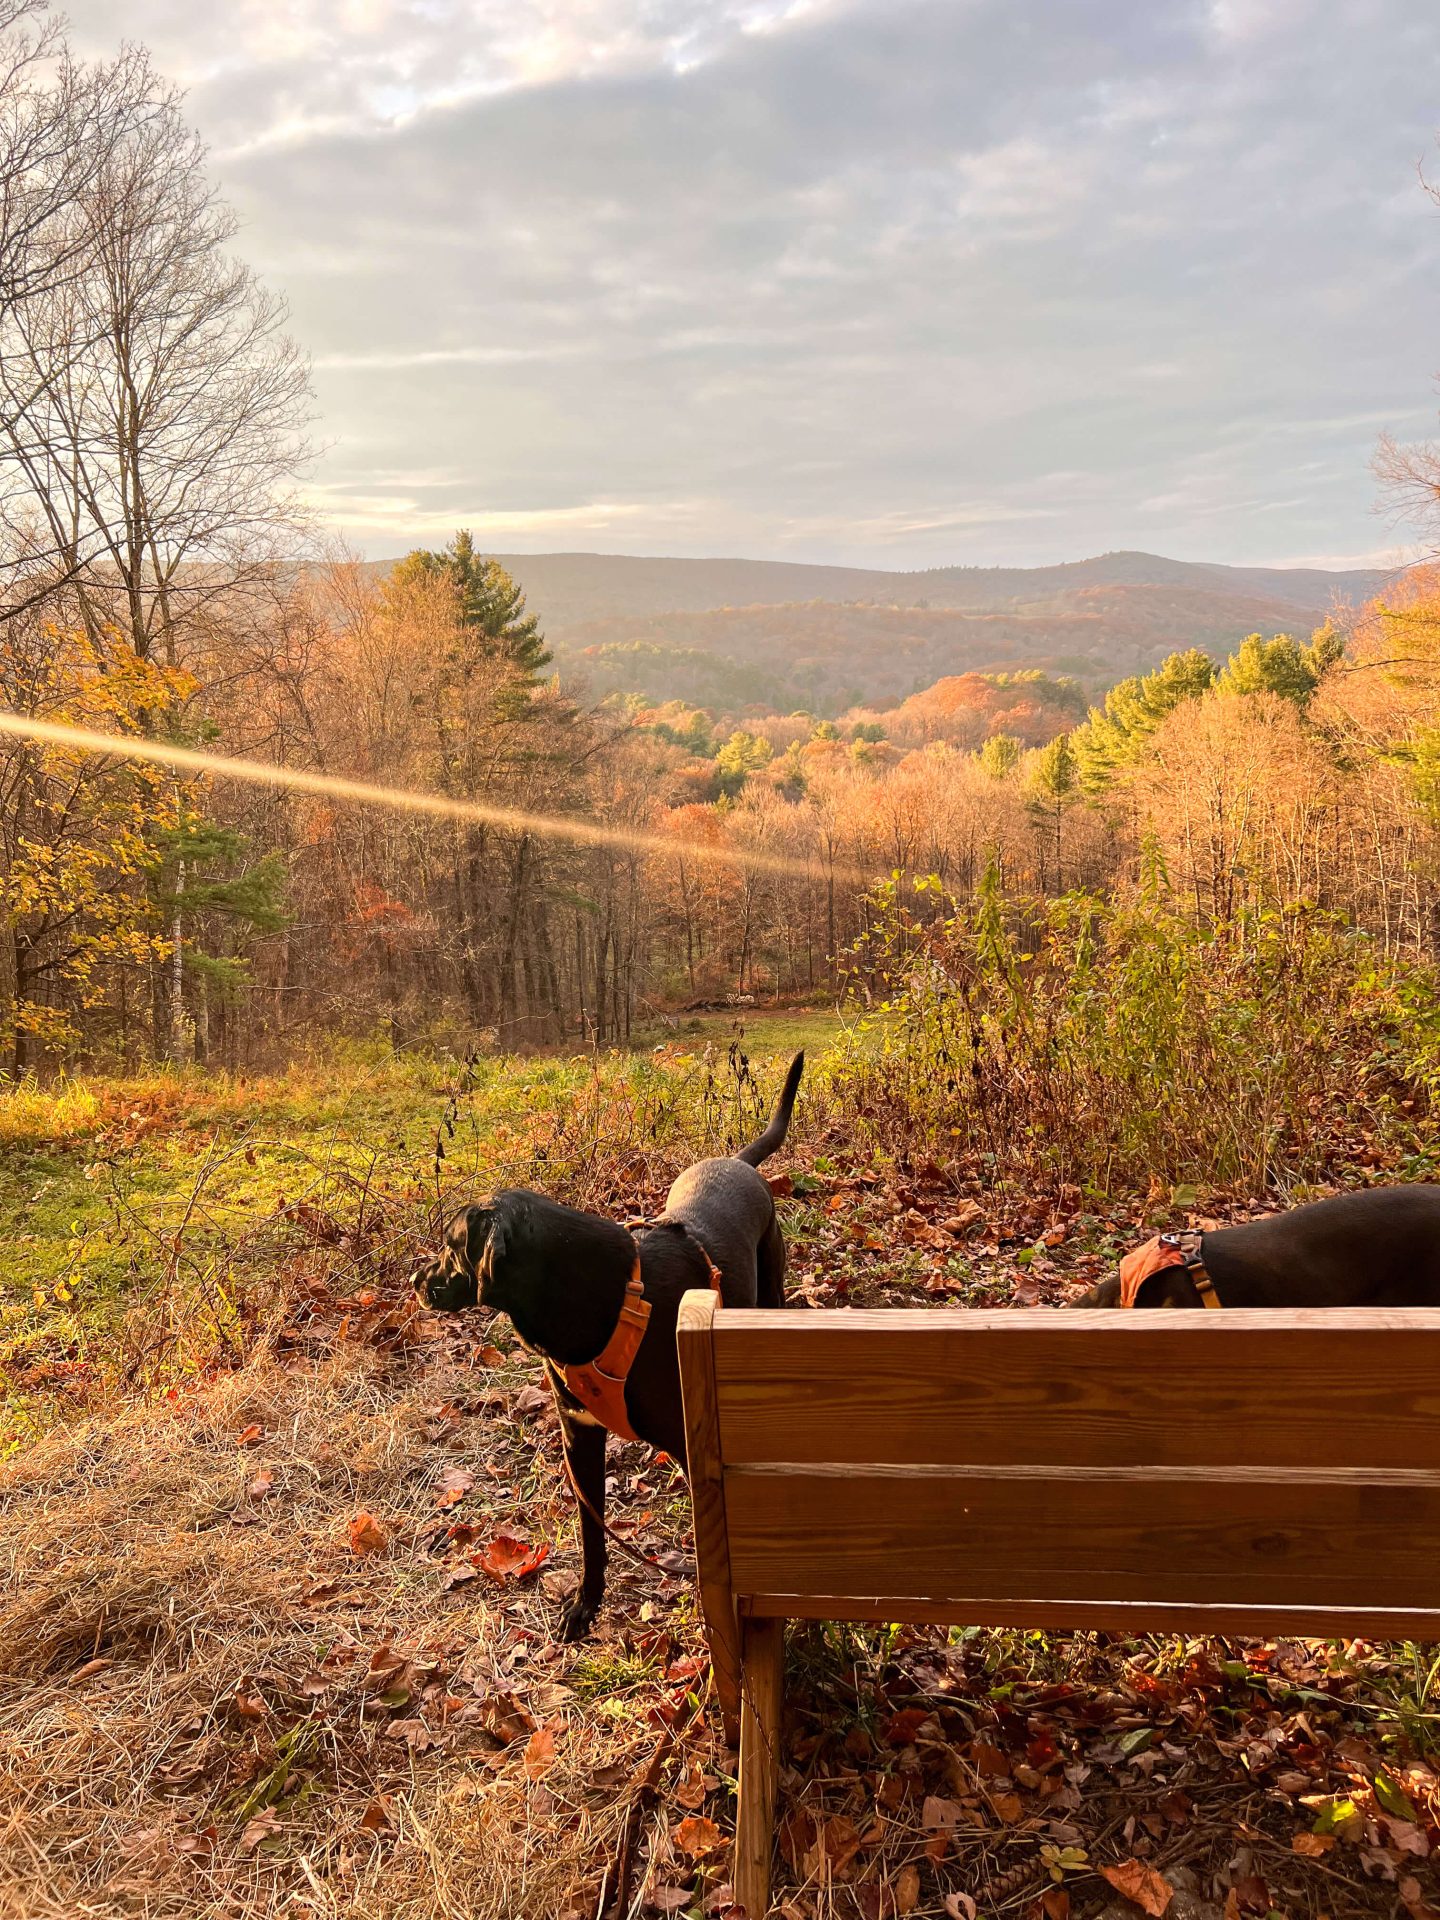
1107,1043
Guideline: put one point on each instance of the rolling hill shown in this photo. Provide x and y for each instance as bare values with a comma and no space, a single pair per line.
571,589
749,636
738,635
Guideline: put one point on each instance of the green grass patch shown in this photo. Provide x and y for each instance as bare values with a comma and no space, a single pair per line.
164,1212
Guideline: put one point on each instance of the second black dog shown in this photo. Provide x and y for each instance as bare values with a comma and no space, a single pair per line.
562,1277
1379,1247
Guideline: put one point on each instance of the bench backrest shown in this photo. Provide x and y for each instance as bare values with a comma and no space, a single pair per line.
1245,1471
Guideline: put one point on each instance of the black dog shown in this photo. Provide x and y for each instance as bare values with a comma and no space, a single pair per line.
562,1278
1379,1247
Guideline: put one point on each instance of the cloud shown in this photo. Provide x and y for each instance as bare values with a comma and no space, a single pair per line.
923,280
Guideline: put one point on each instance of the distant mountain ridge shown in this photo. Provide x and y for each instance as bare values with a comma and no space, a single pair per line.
568,589
747,637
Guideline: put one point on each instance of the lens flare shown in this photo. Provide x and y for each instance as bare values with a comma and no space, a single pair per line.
550,826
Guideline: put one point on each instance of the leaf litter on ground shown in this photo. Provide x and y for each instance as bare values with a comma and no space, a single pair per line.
300,1708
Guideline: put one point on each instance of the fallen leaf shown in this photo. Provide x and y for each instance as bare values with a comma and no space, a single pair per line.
250,1706
1148,1889
987,1758
263,1827
459,1578
263,1483
376,1816
453,1486
906,1890
690,1792
491,1357
696,1835
98,1665
250,1436
941,1813
540,1752
1056,1902
836,1846
670,1899
505,1718
416,1735
1248,1895
959,1906
797,1837
506,1558
1392,1799
1312,1845
366,1535
1409,1838
1413,1899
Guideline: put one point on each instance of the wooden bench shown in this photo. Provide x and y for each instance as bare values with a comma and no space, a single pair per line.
1254,1473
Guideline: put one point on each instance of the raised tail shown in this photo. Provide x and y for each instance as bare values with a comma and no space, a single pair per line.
774,1135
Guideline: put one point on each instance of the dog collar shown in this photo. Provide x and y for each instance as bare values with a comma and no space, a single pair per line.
1167,1250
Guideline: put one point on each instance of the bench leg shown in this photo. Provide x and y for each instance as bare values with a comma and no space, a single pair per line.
762,1645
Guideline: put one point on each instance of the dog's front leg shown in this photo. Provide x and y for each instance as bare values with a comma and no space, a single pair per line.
584,1442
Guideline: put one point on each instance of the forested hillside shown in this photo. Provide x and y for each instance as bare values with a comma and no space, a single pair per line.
827,655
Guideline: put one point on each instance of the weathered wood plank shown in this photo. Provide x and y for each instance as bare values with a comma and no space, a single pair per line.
1341,1388
1236,1541
707,1500
763,1646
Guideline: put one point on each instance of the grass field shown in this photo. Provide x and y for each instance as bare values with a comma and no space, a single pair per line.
153,1212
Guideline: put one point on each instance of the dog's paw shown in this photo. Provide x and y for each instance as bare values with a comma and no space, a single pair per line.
578,1618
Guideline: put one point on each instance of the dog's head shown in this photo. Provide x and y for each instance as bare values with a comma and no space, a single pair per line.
1170,1287
468,1270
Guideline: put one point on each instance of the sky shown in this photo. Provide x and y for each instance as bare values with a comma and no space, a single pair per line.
901,283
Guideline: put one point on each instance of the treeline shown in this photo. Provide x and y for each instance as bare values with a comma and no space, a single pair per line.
153,916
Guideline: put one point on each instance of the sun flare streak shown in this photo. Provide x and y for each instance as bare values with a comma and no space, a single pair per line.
549,826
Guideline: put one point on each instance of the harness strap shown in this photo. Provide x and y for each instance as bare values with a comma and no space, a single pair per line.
1167,1250
599,1385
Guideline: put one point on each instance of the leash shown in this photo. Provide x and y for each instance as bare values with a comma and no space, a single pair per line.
644,1559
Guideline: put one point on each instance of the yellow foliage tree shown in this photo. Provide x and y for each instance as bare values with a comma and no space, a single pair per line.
79,836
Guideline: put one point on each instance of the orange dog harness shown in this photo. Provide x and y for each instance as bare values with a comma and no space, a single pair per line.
1166,1250
599,1385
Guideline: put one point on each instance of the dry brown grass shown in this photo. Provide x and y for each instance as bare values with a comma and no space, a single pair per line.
167,1640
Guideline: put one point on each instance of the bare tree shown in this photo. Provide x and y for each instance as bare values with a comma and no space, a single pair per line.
60,121
152,407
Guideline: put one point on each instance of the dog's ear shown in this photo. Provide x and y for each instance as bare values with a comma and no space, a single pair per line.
479,1234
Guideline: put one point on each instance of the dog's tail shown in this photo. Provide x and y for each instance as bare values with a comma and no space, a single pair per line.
774,1135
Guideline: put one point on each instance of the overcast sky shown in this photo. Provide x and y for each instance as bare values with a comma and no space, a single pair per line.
891,282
